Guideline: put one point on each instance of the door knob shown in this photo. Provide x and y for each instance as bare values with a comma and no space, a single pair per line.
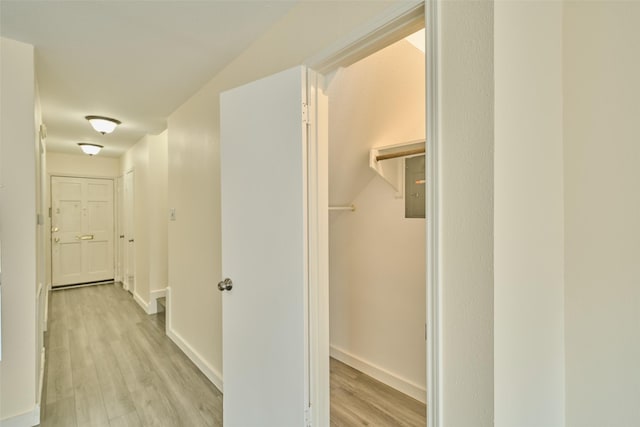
56,240
225,285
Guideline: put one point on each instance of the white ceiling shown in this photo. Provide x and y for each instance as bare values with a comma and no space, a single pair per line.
136,61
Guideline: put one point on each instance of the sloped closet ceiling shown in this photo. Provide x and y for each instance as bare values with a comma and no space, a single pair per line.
376,102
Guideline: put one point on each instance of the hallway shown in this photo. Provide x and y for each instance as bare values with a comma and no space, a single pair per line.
109,364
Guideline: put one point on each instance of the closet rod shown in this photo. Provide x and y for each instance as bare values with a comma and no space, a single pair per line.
400,154
342,208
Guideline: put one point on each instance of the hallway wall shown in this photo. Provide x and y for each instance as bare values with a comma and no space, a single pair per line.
82,165
466,172
19,380
148,159
377,256
602,204
194,170
529,216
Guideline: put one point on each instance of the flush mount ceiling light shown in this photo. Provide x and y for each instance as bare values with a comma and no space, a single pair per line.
103,124
89,148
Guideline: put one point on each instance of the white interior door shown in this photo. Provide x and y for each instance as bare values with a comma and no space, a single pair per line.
264,252
82,230
129,232
120,241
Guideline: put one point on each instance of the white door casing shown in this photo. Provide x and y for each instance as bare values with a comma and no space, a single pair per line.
129,231
264,251
81,230
120,241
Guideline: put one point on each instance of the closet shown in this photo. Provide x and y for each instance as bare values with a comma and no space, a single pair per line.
377,231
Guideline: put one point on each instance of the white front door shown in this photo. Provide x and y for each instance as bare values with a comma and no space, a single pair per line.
82,230
264,252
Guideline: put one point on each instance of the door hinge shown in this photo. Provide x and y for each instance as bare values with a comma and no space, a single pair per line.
305,113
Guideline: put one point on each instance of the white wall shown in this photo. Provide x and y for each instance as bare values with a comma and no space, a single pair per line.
466,211
18,379
82,165
158,213
602,205
377,269
529,215
194,170
148,159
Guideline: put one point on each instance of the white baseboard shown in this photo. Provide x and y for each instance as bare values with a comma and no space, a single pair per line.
392,380
41,382
46,309
209,371
150,307
142,303
28,419
167,310
153,299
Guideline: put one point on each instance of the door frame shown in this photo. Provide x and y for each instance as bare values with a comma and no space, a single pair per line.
118,189
129,210
394,25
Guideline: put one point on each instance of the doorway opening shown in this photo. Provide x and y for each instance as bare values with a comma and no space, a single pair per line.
377,237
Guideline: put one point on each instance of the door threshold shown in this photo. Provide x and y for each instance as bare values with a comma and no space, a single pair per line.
82,285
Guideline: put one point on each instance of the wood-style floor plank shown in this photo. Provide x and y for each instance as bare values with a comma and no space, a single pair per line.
359,400
110,364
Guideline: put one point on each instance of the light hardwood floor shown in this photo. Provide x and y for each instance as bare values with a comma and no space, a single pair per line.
359,400
110,364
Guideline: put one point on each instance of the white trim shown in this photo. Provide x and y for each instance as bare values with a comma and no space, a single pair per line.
435,365
167,310
46,309
30,418
393,25
41,380
389,378
153,300
209,371
318,252
389,27
142,303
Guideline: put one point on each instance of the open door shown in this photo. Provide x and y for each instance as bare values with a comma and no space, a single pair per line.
264,252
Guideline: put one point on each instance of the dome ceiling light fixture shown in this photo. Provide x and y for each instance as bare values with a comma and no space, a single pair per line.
90,148
103,124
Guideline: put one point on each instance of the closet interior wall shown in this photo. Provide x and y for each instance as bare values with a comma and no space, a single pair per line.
377,257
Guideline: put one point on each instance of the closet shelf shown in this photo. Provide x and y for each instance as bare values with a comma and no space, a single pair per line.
387,162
